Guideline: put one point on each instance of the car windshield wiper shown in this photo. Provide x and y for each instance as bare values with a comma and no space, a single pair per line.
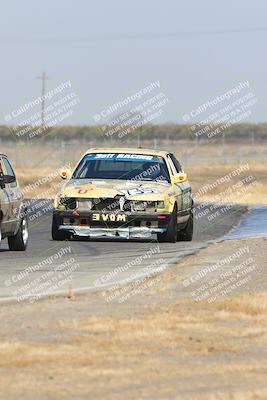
145,179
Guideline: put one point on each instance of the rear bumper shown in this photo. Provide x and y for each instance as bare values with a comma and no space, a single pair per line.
91,224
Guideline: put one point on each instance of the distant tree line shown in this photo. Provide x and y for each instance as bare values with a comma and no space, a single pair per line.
161,132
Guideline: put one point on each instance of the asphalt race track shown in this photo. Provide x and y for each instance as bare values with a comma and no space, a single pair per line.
95,264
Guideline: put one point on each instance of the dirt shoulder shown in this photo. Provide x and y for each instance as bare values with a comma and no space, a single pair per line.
165,342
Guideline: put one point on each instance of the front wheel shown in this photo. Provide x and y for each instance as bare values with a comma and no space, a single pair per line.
56,233
186,234
170,235
19,241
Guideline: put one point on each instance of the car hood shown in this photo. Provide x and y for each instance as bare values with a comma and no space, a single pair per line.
85,188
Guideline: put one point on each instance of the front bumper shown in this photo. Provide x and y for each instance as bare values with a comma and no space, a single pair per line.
126,233
136,225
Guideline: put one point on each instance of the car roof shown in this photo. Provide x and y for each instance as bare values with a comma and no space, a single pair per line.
128,150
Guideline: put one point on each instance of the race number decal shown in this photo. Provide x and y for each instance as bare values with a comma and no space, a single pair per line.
138,191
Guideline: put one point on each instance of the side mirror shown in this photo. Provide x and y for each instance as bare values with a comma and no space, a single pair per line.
65,173
180,178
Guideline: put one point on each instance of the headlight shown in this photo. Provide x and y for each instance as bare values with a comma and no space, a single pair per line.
85,204
138,205
146,205
160,204
68,202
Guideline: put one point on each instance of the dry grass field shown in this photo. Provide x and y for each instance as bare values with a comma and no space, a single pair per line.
171,348
169,353
31,180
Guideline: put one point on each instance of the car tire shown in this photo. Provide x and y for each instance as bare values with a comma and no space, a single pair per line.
56,233
186,234
170,236
19,241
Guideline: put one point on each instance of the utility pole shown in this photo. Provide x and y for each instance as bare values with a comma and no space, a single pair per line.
223,146
44,77
253,140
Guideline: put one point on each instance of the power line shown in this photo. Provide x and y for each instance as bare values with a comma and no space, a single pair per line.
139,36
166,35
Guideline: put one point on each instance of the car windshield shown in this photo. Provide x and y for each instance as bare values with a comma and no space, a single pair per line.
135,167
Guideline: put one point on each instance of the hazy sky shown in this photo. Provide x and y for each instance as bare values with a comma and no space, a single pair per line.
109,49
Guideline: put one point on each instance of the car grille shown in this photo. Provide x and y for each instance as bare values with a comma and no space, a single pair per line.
109,205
